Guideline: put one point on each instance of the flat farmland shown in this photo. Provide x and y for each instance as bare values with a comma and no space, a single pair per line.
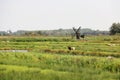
48,58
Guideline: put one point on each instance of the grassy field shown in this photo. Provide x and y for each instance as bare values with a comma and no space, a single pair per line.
49,59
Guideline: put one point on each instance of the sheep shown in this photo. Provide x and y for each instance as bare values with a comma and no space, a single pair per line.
110,57
111,44
71,48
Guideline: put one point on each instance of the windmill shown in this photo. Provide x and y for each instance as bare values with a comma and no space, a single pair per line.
77,32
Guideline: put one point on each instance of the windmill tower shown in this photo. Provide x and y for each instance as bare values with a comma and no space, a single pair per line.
77,32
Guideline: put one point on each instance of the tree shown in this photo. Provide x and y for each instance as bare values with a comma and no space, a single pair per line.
115,28
39,33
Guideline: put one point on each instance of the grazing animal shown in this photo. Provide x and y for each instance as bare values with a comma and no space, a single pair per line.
82,36
111,44
71,48
110,57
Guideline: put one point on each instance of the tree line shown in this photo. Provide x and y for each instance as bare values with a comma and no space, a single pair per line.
58,32
114,29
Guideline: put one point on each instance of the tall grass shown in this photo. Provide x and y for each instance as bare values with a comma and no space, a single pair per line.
37,66
49,58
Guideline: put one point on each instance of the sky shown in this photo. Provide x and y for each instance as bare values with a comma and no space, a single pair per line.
55,14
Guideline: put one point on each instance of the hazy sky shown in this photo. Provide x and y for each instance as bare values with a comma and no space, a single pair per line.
55,14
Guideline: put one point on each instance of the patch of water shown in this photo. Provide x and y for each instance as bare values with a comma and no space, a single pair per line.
13,50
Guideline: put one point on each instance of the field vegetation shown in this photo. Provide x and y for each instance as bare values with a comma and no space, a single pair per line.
48,58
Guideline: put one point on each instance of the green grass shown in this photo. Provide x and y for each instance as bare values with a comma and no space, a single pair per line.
97,44
49,58
37,66
37,74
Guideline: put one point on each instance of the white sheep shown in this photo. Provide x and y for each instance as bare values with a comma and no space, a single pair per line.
110,57
71,48
111,44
